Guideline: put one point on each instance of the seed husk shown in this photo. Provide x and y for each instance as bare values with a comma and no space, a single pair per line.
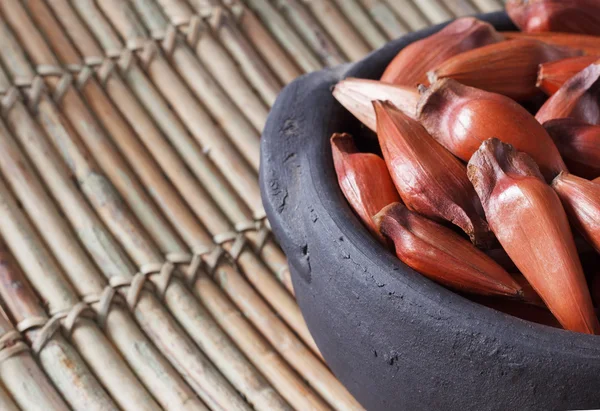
509,68
411,64
552,75
421,244
588,44
363,178
462,117
430,180
579,145
578,98
581,200
357,96
569,16
529,221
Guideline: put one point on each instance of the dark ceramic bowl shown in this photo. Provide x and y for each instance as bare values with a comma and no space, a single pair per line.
395,339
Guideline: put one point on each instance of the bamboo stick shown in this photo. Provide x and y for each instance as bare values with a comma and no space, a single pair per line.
311,31
164,331
349,40
162,152
158,376
265,246
460,7
102,247
242,375
6,402
283,378
362,23
207,381
487,6
195,236
286,36
198,78
22,377
82,273
233,273
59,359
329,387
213,56
385,18
411,13
118,379
190,362
434,10
270,251
150,174
288,345
226,158
186,147
171,126
224,26
280,61
232,120
191,152
181,218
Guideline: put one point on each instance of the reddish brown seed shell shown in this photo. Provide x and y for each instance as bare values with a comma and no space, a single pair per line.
579,145
552,75
529,221
430,180
411,64
363,179
573,16
578,98
422,244
357,96
588,44
462,117
581,200
509,68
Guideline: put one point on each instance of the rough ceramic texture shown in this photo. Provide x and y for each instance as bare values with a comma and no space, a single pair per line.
395,339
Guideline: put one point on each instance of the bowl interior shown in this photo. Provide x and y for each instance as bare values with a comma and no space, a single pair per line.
372,67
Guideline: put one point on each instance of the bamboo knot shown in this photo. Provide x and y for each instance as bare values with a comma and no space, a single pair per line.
11,345
9,98
218,18
105,299
193,30
169,39
208,259
248,225
264,235
66,319
147,53
238,247
236,8
203,259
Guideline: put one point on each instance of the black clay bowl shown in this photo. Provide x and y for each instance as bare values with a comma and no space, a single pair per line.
395,339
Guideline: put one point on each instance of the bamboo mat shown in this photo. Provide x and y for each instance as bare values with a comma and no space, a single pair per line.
136,268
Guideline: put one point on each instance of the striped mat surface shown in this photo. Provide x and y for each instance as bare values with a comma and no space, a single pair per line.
136,268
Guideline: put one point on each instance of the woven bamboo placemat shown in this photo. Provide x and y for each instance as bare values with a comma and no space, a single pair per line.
136,268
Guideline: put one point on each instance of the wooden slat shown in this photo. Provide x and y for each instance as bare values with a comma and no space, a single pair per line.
302,20
362,23
386,19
